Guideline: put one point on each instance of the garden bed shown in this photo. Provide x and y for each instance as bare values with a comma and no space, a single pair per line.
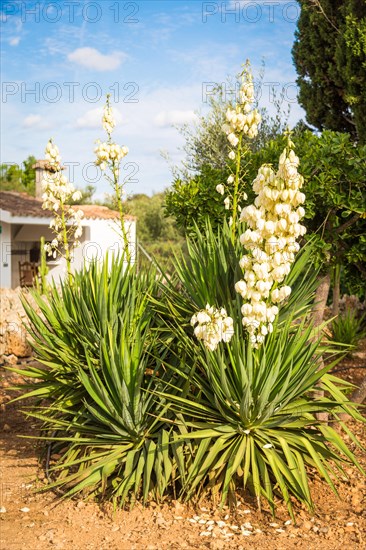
83,526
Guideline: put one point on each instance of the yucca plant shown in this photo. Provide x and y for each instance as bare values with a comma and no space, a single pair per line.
246,417
94,386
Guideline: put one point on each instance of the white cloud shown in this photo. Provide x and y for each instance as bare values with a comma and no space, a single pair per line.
35,121
14,41
90,58
93,118
166,119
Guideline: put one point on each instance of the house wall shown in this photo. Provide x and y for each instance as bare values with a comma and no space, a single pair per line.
6,259
104,237
132,239
99,237
58,267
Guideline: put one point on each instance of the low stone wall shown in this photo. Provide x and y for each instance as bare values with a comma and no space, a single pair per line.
13,335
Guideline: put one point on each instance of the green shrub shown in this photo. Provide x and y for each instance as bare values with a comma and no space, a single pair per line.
348,328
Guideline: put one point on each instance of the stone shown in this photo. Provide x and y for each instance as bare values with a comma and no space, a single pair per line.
217,544
13,335
12,359
177,505
160,521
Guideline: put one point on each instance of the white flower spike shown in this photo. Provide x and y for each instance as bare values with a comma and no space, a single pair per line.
270,242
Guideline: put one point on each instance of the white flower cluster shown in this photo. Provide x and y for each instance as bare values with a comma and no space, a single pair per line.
57,192
108,119
273,227
53,156
213,326
109,152
241,120
241,123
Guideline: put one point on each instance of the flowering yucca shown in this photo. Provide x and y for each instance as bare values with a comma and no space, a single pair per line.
270,241
108,152
57,192
109,155
241,121
213,326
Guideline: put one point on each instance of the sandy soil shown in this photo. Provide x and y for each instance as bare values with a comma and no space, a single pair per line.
29,521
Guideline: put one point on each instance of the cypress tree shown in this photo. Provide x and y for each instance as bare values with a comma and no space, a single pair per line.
330,58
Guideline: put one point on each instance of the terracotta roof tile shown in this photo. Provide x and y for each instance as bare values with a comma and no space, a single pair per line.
22,204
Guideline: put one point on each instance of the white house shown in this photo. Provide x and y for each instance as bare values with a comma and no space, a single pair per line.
23,222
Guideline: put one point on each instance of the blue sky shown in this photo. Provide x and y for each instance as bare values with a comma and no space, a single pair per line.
156,57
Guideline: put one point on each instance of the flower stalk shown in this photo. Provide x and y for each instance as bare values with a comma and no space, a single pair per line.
109,155
241,122
236,191
41,281
66,224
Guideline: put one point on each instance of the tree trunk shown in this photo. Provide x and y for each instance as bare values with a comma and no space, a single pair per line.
336,290
359,394
320,303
